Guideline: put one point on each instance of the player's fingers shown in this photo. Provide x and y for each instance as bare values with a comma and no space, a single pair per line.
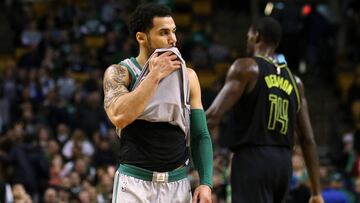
167,53
173,57
195,197
176,63
203,200
154,55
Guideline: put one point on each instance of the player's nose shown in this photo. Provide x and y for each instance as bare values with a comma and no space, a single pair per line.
172,39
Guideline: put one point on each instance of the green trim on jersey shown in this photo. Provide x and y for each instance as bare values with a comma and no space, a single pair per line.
295,88
136,63
133,76
272,61
116,186
147,175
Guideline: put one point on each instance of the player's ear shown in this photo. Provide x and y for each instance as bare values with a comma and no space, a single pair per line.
257,37
141,37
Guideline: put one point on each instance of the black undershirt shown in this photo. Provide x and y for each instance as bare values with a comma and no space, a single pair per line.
155,146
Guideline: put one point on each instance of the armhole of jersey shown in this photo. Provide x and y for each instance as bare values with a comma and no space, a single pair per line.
295,88
133,77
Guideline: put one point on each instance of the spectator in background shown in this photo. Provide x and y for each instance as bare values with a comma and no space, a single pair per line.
91,114
20,194
7,97
31,36
52,28
104,188
2,191
77,146
46,82
356,136
64,190
104,155
4,114
92,82
299,187
299,169
93,63
56,167
200,57
43,136
84,169
92,25
347,157
111,48
31,59
218,52
51,196
66,86
55,109
68,13
64,44
30,165
119,24
75,183
75,58
62,134
109,11
331,191
84,196
357,189
51,59
90,188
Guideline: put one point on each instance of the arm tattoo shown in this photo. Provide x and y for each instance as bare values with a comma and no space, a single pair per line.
114,84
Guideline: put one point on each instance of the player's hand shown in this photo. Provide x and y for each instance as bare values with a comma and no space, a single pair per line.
202,194
316,199
164,64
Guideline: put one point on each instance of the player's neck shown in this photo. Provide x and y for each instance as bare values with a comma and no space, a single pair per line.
142,58
264,50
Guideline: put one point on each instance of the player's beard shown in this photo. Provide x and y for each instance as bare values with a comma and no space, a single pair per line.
150,49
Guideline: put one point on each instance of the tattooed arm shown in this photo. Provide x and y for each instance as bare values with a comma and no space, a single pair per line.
122,106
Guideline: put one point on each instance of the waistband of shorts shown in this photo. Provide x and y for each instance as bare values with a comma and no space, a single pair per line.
147,175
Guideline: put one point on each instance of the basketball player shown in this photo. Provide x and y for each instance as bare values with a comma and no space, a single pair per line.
268,104
154,154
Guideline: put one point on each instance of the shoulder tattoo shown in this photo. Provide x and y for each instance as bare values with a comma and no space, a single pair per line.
114,84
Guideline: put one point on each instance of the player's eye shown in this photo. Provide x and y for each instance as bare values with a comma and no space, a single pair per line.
165,32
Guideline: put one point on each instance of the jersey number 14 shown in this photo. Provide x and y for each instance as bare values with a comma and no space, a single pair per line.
278,113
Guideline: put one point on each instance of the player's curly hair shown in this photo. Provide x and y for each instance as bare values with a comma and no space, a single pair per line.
141,20
269,30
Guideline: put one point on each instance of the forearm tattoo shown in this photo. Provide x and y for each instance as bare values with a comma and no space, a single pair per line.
114,84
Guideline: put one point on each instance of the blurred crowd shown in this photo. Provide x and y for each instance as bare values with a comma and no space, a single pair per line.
56,143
